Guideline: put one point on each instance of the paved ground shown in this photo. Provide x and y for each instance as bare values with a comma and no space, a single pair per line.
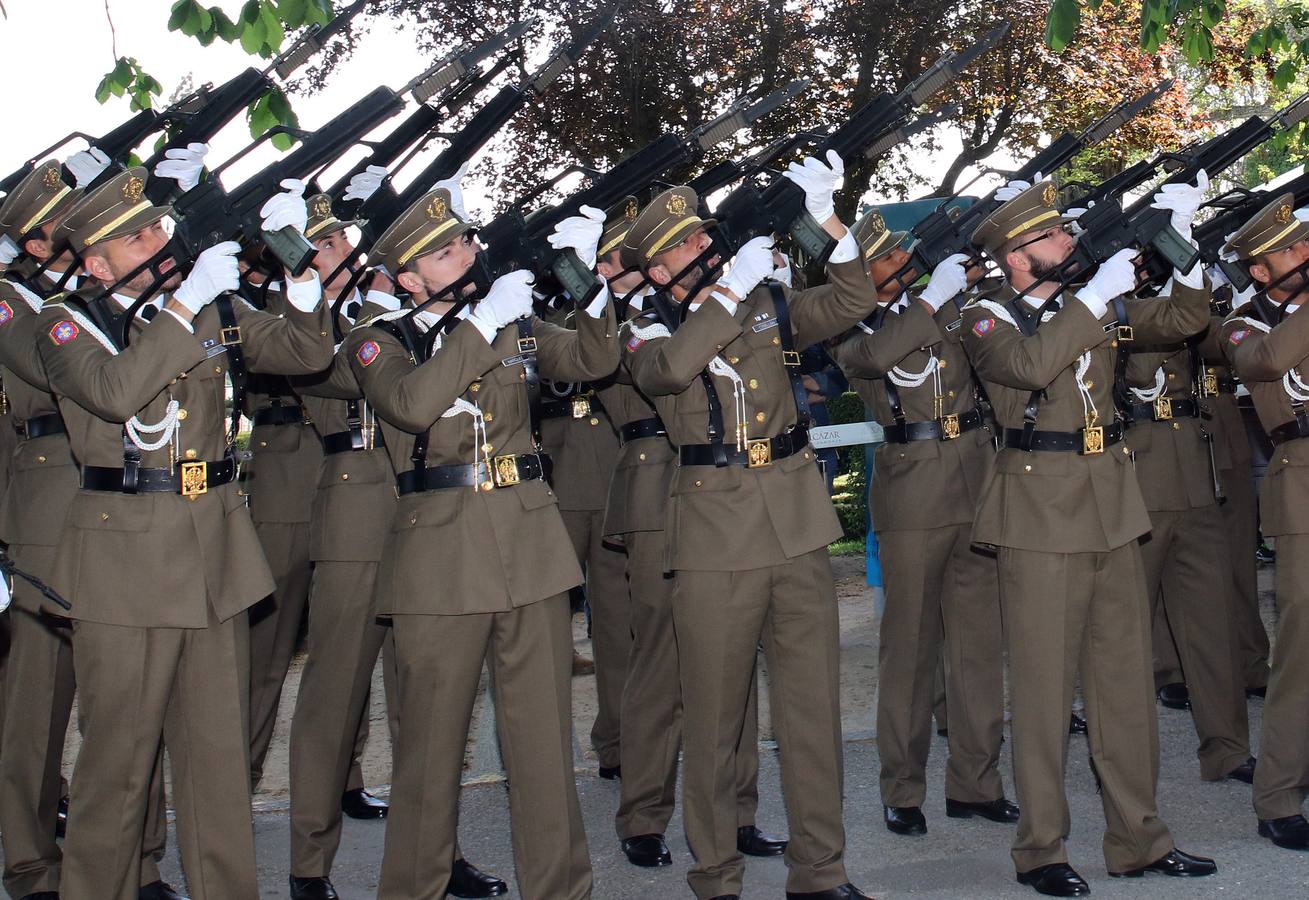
955,859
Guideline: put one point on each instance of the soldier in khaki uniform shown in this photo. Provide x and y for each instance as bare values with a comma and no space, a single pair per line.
908,365
1186,558
161,577
746,539
1267,341
652,695
471,483
1064,511
352,514
32,519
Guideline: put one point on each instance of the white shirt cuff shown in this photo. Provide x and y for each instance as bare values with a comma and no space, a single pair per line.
305,295
1193,279
178,316
727,302
1096,305
485,328
383,299
847,248
596,309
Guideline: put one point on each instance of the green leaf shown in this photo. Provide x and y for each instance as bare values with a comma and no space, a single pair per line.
282,142
102,90
252,35
1061,24
293,12
319,12
1284,77
274,34
180,10
205,17
280,106
223,26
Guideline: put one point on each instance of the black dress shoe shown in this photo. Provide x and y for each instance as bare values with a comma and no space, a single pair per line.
466,880
1000,810
1076,724
1288,832
313,889
846,891
158,890
753,842
1176,863
61,818
1175,696
647,850
1243,772
359,804
904,819
1055,880
610,773
1260,692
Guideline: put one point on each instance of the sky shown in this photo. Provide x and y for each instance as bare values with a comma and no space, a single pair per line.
58,96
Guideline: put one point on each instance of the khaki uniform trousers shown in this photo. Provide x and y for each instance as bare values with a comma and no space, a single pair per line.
274,627
1281,781
330,724
1089,611
652,704
942,603
611,626
188,685
439,663
720,618
40,694
1186,561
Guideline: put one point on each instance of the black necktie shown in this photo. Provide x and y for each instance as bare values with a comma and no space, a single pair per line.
148,312
352,310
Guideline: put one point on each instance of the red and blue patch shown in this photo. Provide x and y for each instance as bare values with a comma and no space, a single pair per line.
634,342
1239,335
6,312
63,332
368,351
983,326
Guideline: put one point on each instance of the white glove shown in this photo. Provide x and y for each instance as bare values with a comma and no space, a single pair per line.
1115,277
509,299
286,208
1217,277
1228,255
948,281
9,250
364,184
1183,201
819,182
596,308
1075,213
751,265
1014,188
454,186
86,165
215,272
580,233
1243,296
1302,214
782,274
183,165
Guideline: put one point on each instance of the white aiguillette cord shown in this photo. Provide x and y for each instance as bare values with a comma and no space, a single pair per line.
1149,395
717,366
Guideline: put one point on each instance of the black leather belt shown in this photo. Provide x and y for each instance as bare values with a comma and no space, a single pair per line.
757,453
1227,385
279,414
578,406
642,428
1289,432
505,471
343,442
947,428
1065,441
190,479
1163,409
40,426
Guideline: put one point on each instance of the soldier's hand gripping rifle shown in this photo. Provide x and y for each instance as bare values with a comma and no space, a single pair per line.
116,144
1234,209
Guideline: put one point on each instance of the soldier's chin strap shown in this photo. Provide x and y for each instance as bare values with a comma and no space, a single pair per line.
1268,307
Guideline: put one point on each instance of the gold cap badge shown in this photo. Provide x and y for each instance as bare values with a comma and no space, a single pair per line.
876,224
1283,214
436,209
677,205
1048,195
51,177
629,213
133,188
322,207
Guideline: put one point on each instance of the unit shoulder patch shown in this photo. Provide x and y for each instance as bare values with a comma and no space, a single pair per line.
63,332
368,351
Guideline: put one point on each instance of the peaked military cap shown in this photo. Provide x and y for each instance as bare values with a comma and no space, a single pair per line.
619,219
322,221
1275,227
423,228
116,208
37,199
1035,209
875,239
667,221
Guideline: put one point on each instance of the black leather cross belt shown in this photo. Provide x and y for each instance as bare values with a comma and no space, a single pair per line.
757,453
641,428
344,442
279,414
1291,431
946,428
189,478
505,471
40,426
1081,442
1163,409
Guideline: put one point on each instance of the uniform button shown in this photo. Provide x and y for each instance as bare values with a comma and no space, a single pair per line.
1113,344
104,517
413,520
759,417
595,421
718,346
181,415
902,456
488,447
475,387
218,370
733,359
1027,468
263,443
699,483
1177,427
190,454
345,476
1088,384
488,417
1285,460
487,485
1172,375
40,459
949,393
182,375
173,382
754,384
941,364
522,376
777,340
806,454
240,493
642,456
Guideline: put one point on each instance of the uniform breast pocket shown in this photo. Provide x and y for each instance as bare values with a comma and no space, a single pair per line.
1035,464
705,479
106,511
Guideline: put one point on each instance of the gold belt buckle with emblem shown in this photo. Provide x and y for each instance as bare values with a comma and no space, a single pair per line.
581,407
758,453
1092,436
1163,409
506,471
195,479
949,427
1211,382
